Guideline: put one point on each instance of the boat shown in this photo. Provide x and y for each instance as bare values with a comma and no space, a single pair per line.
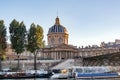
25,74
59,76
63,74
38,73
99,72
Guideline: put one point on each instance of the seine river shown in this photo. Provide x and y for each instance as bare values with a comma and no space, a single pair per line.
63,79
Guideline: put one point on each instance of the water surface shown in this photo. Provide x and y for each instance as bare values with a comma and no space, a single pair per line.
62,79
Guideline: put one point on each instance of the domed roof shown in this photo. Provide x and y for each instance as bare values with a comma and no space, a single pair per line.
57,28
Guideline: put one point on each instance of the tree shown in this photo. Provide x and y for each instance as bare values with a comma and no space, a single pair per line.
40,36
3,43
35,40
17,37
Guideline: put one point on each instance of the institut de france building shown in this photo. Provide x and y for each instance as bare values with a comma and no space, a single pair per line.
58,47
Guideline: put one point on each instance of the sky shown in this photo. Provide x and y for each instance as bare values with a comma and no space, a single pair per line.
88,22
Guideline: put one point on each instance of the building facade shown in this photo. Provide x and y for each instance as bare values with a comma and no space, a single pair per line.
58,47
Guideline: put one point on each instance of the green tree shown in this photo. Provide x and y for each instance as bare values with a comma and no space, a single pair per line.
35,40
40,36
17,37
3,43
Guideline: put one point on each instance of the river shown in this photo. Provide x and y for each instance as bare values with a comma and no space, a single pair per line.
62,79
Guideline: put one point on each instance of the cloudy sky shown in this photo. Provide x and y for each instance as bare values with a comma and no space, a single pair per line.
88,22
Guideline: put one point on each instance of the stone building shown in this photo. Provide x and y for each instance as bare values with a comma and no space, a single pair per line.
58,47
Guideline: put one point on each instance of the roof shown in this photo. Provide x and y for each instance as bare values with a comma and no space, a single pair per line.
57,28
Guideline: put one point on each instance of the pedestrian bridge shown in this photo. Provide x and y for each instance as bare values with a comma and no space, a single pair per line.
112,59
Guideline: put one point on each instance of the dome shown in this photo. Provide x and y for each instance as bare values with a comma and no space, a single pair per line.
57,28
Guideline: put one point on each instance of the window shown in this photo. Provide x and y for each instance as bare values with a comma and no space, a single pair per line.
52,40
60,40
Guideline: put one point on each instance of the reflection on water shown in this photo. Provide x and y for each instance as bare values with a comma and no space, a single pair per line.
62,79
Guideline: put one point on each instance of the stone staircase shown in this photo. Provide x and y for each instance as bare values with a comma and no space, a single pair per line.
65,64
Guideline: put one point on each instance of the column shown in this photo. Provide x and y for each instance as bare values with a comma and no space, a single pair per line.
51,54
55,55
60,55
69,54
66,54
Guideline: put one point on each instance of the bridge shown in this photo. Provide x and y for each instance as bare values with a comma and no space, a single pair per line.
112,59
